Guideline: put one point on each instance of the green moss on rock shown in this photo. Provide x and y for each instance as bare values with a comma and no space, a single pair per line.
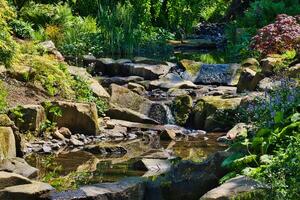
181,108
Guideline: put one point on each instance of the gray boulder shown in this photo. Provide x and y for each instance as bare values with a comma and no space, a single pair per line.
223,74
236,188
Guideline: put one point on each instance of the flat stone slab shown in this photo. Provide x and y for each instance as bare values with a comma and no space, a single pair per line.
233,188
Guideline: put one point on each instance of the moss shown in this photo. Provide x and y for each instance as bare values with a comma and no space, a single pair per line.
51,74
5,121
191,66
181,108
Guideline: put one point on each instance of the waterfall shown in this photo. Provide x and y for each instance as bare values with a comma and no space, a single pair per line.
169,115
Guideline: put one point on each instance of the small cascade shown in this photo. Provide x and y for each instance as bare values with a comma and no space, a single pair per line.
169,116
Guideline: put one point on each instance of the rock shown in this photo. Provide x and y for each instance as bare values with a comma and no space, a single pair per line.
239,129
129,115
11,179
159,112
222,74
148,72
191,68
188,180
26,191
65,132
193,44
236,188
137,88
215,113
268,64
125,98
126,189
294,71
250,63
94,85
149,61
28,117
47,148
116,132
75,142
78,117
166,84
181,108
107,81
97,89
255,81
57,135
3,69
106,150
267,84
18,166
22,73
247,75
168,134
7,143
5,121
146,164
50,48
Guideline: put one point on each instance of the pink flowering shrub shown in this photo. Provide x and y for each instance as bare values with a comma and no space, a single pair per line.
282,35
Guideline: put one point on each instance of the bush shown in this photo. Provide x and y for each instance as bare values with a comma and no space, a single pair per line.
51,74
278,37
259,14
8,47
22,29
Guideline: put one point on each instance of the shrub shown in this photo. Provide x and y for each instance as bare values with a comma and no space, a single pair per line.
282,35
8,47
22,29
51,74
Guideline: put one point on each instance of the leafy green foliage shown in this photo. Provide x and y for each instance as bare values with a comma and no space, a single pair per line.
271,153
22,29
85,94
8,46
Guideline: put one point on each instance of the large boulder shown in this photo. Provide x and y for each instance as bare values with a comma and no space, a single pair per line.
215,113
6,121
78,117
11,179
125,98
18,166
7,143
22,72
30,191
236,188
147,71
222,74
28,117
127,189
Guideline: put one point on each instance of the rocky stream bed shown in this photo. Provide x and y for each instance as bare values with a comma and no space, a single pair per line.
162,137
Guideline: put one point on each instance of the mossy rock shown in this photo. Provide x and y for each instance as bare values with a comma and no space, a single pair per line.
7,143
181,108
5,120
215,113
190,66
